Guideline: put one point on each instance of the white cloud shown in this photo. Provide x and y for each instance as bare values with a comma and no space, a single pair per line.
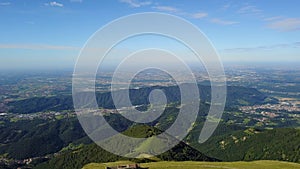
4,3
199,15
223,22
136,3
249,10
287,24
270,47
166,8
273,18
54,4
37,47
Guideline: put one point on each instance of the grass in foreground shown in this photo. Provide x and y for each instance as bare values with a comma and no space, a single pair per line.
204,165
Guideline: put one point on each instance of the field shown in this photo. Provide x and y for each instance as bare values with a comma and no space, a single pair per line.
205,165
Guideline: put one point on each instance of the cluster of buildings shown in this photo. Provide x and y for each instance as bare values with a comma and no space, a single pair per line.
52,115
283,106
40,115
125,166
20,163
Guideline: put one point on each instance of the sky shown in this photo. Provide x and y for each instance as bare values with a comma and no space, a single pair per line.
50,34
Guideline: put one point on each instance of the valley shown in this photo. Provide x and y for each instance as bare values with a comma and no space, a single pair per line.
42,131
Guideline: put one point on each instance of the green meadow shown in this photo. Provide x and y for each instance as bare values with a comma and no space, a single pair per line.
203,165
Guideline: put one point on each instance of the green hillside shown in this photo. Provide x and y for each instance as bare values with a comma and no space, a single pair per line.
93,153
205,165
248,145
233,145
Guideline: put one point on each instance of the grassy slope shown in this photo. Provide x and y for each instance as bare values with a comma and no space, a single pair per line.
93,153
205,165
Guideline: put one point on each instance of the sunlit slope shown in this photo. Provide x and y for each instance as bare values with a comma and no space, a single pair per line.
151,146
205,165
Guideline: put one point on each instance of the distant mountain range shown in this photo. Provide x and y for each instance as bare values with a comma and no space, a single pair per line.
236,95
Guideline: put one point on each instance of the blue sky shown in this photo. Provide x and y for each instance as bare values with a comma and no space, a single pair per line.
49,34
